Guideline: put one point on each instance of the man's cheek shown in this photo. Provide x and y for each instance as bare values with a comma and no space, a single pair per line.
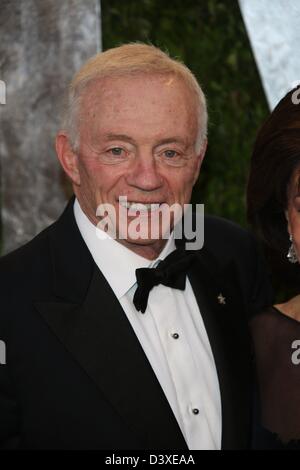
187,181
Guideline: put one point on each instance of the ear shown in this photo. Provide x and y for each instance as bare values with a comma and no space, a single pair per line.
200,158
68,159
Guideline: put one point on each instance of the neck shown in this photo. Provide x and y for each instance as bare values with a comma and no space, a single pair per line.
291,308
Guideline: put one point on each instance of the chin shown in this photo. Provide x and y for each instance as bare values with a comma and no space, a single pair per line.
144,235
143,241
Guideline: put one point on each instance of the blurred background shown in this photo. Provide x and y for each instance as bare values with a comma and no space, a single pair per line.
44,42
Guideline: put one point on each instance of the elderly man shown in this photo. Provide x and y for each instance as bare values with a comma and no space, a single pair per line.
129,342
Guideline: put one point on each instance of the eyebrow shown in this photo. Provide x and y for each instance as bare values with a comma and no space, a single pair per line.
119,137
171,140
126,138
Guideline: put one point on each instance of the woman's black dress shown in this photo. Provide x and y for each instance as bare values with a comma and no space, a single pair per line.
276,340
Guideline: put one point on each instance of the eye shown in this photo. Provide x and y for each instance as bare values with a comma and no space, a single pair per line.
116,151
172,157
170,153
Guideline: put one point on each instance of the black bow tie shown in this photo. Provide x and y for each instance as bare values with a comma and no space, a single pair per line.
171,272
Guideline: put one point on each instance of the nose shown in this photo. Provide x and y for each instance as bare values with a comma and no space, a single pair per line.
144,174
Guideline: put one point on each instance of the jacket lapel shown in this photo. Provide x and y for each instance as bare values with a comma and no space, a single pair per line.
88,319
221,306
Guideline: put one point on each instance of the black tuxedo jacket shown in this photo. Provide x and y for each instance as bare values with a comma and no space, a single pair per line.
76,376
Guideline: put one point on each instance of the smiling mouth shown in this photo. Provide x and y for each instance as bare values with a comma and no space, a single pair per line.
140,206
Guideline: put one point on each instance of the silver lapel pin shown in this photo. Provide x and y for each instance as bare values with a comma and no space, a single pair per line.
221,299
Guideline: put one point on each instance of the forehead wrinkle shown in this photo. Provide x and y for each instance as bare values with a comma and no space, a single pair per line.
96,99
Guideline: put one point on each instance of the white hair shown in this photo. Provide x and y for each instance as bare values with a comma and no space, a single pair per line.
130,59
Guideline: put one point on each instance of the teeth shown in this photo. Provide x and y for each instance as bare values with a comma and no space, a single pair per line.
138,206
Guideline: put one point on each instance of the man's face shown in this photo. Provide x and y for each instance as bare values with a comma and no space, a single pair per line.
137,140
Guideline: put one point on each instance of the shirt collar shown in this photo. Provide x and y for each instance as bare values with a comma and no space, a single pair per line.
116,262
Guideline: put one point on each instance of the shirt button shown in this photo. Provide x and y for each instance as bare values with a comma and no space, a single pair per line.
195,411
175,335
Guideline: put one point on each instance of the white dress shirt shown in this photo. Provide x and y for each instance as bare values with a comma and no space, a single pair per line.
171,333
